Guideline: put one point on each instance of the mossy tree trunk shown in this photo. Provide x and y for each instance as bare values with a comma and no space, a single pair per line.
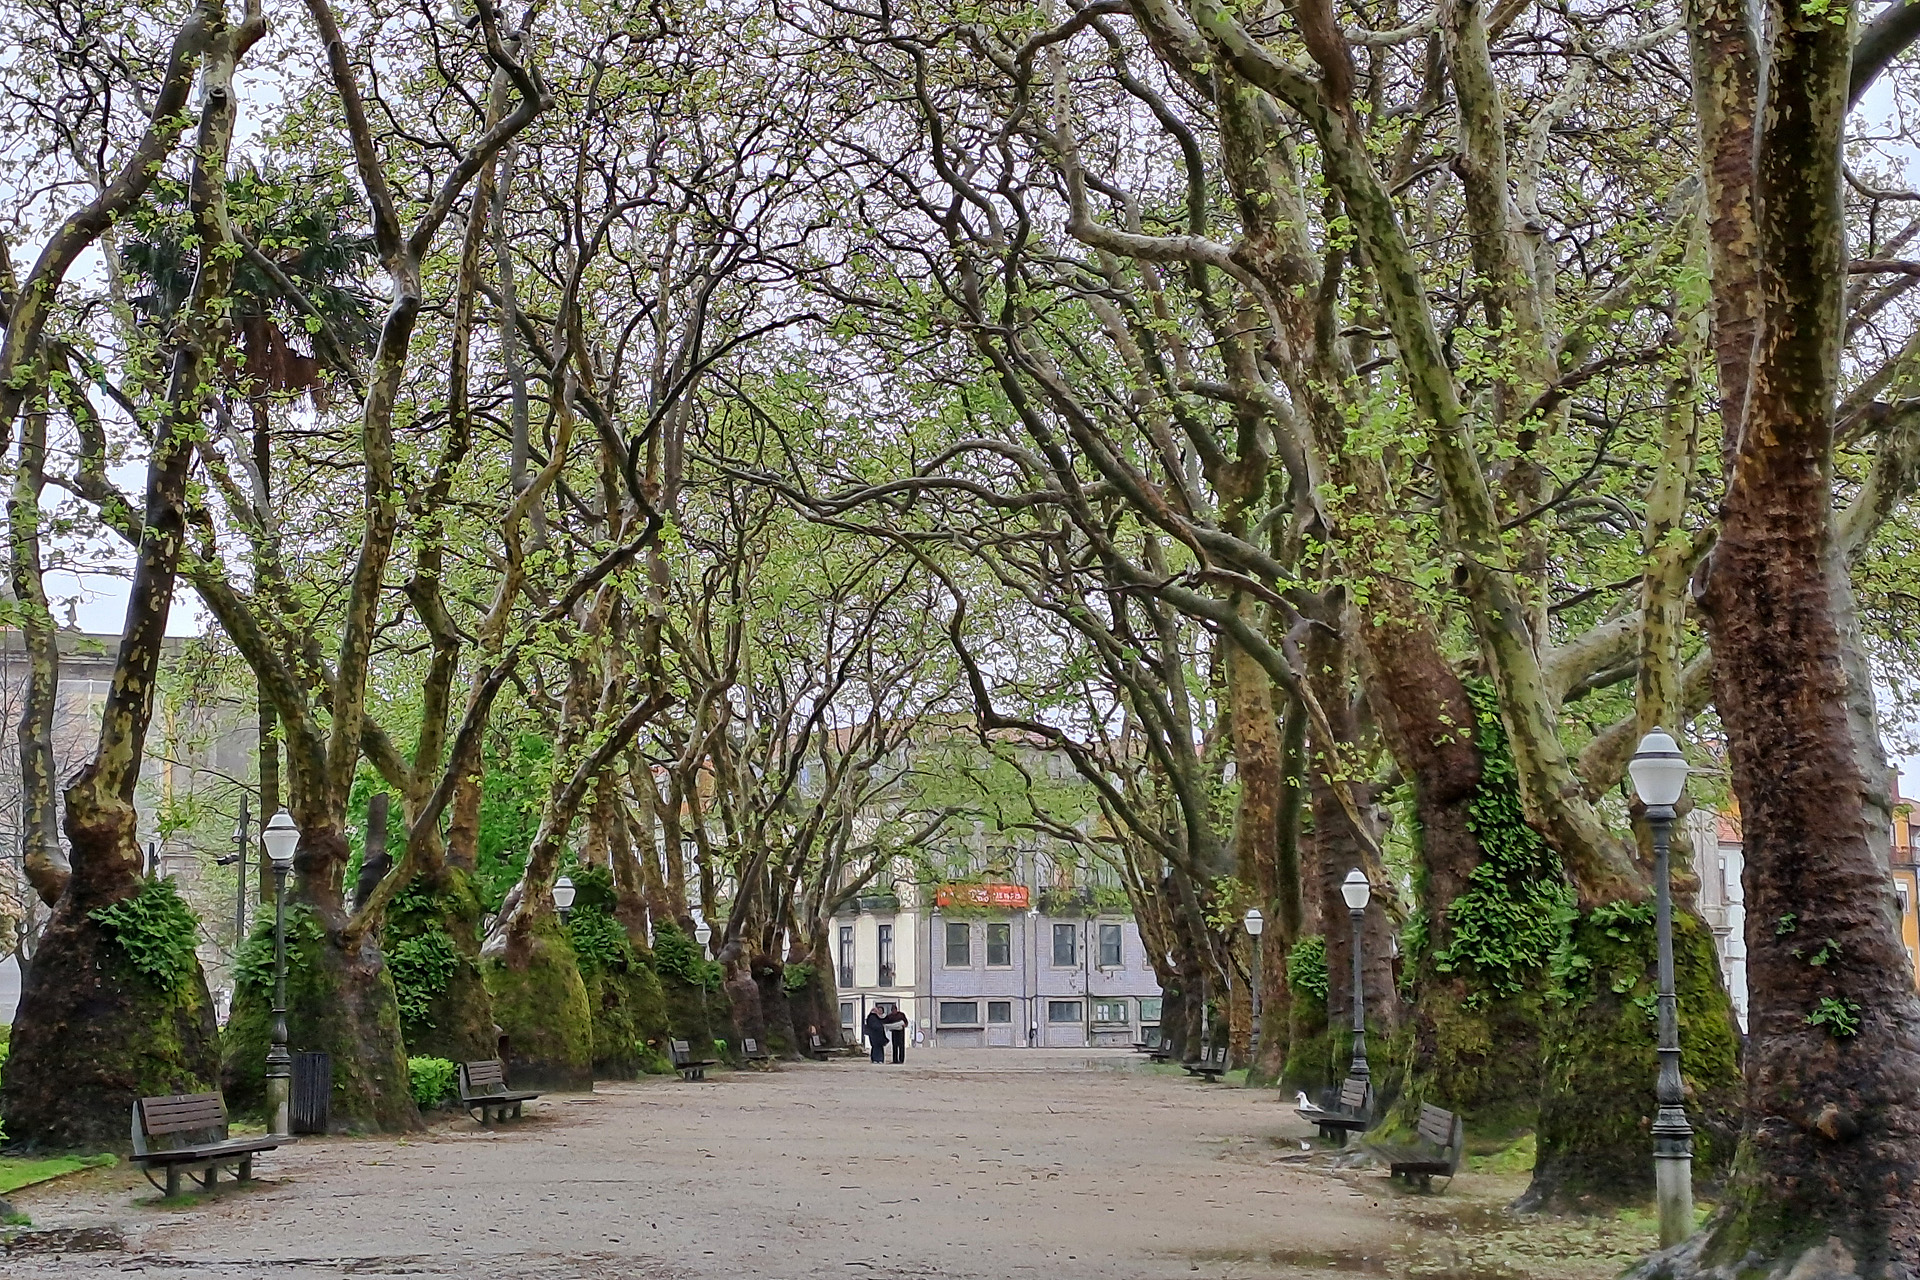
531,970
749,1015
341,1002
1597,1096
815,1007
105,1019
540,1003
446,1010
1828,1177
1310,1057
340,997
776,1006
324,723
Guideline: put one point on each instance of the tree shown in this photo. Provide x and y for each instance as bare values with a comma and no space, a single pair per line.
114,1005
1831,1148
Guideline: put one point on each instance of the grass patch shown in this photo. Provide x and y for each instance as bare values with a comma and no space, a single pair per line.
1517,1157
16,1173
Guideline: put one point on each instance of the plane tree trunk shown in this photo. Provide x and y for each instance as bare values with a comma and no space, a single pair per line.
114,1005
1828,1176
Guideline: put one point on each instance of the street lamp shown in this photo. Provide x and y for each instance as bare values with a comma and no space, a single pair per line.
563,894
239,855
703,934
1659,777
1357,891
281,838
1256,925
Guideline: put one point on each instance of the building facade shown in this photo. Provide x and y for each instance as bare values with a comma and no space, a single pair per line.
877,948
1039,979
1717,863
995,965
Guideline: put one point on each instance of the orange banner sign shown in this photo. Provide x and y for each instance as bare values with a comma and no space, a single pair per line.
981,895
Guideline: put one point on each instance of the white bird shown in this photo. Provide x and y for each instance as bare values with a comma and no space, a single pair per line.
1305,1105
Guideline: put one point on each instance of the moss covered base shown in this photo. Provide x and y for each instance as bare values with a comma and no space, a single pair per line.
432,940
629,1015
695,1014
1597,1080
776,1011
1738,1243
339,1002
540,1004
1310,1062
93,1034
1478,1056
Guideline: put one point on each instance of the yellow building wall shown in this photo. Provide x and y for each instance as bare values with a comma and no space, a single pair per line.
1906,882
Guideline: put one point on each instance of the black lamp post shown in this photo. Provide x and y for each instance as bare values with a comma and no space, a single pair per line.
1256,925
703,934
1660,777
1357,891
241,831
281,838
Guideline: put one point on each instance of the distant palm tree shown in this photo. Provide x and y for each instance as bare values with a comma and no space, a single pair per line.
301,226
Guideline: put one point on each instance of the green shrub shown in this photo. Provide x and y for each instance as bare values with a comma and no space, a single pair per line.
675,955
1307,967
421,967
156,931
253,965
432,1080
600,943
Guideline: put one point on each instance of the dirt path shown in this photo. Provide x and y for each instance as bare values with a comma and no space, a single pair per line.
960,1165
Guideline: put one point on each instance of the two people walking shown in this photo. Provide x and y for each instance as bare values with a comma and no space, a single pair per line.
877,1029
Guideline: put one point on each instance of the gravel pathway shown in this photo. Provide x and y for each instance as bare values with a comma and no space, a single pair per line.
981,1165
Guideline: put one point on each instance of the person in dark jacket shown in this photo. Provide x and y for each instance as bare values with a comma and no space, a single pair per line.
897,1027
875,1029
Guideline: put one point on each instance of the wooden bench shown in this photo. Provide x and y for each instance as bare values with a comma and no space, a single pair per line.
484,1093
1209,1068
689,1067
821,1049
1352,1111
1436,1152
754,1051
192,1133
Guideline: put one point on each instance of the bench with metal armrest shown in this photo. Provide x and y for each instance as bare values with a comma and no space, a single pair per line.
187,1133
1352,1111
1440,1142
689,1067
484,1092
1209,1068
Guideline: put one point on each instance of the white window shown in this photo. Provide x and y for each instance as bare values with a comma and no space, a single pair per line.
1066,947
959,1013
959,945
1149,1008
1110,1011
1110,946
999,1011
999,946
1063,1010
